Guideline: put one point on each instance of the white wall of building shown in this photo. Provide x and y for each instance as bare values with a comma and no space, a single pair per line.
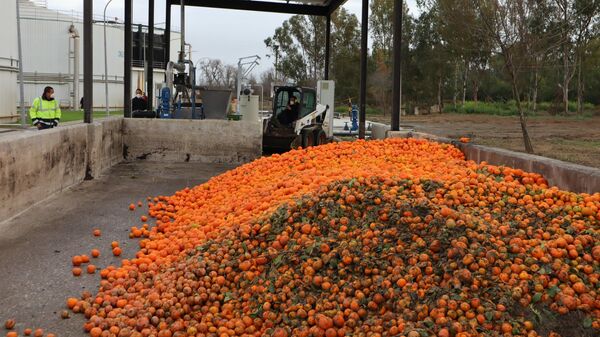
48,57
8,61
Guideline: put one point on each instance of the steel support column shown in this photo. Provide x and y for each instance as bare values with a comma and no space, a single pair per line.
364,51
167,36
88,61
327,45
128,57
397,66
150,57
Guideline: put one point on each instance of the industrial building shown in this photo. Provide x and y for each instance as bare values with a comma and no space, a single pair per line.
52,44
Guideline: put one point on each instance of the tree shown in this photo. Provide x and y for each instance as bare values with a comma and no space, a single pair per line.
577,22
299,47
381,21
214,73
587,19
470,49
345,54
300,44
505,23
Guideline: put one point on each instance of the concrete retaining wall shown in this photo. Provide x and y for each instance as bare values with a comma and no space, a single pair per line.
209,141
36,164
566,176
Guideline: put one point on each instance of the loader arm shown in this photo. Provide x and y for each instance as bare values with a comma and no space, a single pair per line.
309,119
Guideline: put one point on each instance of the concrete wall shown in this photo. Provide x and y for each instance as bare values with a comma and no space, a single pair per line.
566,176
36,164
210,141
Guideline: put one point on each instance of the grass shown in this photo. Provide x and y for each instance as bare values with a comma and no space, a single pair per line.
509,108
77,115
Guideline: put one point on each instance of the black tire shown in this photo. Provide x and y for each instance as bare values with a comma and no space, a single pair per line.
320,137
308,138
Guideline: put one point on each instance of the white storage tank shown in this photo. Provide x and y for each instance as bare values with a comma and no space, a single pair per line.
249,108
9,66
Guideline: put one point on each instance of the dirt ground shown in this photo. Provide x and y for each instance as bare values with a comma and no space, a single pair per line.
572,139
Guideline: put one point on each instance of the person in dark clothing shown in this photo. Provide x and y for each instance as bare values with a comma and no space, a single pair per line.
138,103
290,113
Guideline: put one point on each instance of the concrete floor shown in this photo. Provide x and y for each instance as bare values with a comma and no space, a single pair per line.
36,247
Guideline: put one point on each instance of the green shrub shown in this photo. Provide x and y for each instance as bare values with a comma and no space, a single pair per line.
508,108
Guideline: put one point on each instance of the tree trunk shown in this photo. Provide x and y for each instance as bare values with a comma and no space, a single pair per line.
566,77
475,89
455,96
517,97
565,87
439,95
580,87
536,81
522,119
464,84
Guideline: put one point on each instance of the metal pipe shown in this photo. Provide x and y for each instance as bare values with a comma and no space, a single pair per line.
397,66
327,45
150,78
21,84
106,62
193,80
128,58
76,55
88,60
169,75
182,50
364,39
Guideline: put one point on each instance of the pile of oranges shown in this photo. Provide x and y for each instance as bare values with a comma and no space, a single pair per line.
400,237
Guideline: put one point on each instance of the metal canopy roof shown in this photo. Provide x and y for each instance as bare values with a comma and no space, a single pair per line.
306,7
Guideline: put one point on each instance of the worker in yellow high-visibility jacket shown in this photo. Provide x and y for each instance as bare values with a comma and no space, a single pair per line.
45,111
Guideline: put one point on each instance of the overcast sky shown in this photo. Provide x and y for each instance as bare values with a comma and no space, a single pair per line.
213,33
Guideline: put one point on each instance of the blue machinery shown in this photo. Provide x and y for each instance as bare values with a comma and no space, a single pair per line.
171,103
353,118
164,109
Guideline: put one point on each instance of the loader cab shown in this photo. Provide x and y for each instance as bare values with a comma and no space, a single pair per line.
279,132
306,99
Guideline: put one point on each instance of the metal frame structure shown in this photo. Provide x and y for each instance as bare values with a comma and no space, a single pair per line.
88,61
306,7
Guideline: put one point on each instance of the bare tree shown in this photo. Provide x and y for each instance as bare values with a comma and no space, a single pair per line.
505,22
214,73
577,20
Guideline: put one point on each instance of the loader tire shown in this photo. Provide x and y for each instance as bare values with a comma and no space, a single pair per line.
320,137
308,138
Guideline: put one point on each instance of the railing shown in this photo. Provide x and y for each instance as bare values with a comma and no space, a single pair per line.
12,67
141,63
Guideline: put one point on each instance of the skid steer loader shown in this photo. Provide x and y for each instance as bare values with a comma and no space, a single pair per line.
310,123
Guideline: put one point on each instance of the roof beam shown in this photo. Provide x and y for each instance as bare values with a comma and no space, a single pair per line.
335,4
259,6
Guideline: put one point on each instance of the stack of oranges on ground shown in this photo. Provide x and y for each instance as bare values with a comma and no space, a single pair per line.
382,238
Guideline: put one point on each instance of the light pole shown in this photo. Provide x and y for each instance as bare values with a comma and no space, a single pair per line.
21,83
106,62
